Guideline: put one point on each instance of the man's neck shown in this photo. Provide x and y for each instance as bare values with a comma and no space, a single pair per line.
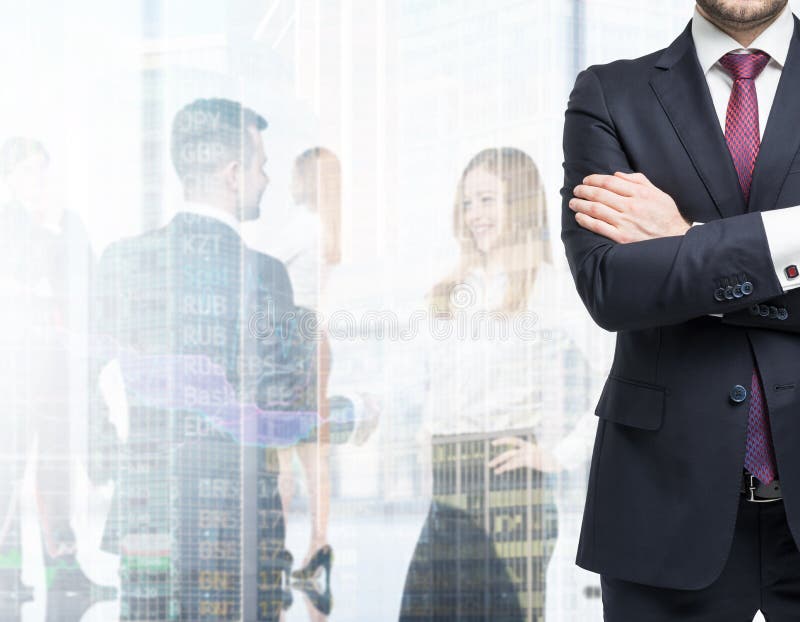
744,34
212,203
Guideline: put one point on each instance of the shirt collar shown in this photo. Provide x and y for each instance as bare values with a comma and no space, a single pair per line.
712,44
210,211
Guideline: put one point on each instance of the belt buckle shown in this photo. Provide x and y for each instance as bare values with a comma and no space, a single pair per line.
752,488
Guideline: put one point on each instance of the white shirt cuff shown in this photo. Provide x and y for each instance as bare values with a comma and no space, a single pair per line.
781,226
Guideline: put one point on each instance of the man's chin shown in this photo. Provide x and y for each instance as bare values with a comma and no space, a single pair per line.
740,13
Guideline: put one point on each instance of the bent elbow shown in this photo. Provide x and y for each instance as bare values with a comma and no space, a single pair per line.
605,317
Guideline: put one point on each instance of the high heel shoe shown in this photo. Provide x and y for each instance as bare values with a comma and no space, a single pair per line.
286,561
322,558
305,579
322,601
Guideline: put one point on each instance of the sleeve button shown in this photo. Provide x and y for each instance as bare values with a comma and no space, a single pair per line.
729,292
738,394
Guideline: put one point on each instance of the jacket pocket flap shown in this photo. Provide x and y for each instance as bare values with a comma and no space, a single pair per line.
632,403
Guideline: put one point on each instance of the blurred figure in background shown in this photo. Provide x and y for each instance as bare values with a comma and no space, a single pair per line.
197,516
505,387
23,315
310,245
47,269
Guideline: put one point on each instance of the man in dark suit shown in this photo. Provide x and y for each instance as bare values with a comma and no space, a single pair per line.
693,507
197,516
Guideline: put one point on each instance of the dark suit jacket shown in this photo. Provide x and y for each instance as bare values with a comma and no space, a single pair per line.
175,306
669,451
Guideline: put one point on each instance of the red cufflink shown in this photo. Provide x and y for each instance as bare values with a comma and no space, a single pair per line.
791,271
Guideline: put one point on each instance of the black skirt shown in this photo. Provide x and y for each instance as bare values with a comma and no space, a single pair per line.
484,549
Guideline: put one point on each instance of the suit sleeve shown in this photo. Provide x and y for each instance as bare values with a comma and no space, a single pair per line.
661,281
781,313
287,367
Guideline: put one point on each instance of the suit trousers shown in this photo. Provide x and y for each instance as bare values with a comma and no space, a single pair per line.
762,572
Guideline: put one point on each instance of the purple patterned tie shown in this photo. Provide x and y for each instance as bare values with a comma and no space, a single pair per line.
743,138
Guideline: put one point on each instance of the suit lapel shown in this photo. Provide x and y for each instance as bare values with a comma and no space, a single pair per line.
781,139
681,88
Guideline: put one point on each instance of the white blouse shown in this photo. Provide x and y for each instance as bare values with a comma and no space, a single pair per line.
298,247
501,372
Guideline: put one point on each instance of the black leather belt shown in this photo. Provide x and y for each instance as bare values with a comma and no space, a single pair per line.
757,492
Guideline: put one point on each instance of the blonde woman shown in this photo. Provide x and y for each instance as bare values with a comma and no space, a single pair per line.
504,391
310,246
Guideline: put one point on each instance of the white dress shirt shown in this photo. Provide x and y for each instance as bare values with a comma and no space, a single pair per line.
711,44
210,211
480,380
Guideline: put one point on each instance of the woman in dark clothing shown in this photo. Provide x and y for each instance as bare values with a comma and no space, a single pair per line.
47,267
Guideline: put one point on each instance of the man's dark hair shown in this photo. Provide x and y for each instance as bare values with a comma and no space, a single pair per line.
17,149
208,134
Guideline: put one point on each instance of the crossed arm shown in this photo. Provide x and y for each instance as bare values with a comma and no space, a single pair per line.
635,260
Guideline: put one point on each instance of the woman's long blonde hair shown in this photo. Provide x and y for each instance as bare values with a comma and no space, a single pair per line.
524,242
317,182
